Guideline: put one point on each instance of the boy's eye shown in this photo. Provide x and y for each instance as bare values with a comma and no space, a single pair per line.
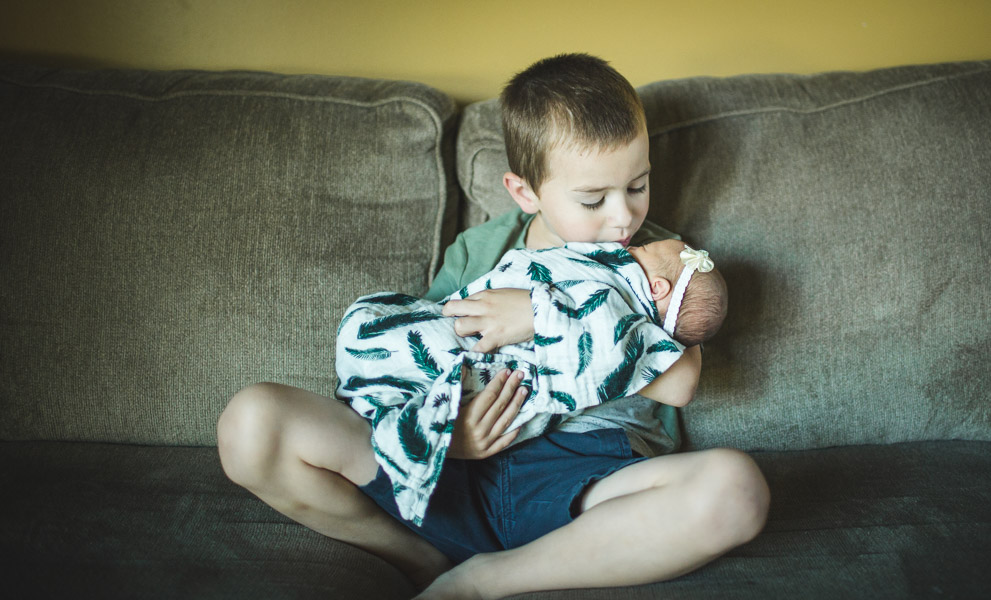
639,190
594,205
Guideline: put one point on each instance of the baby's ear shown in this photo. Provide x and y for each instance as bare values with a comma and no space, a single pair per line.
660,288
520,190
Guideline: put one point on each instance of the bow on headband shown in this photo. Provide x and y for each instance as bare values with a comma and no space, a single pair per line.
696,260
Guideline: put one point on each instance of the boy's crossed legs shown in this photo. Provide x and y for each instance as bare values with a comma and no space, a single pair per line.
305,455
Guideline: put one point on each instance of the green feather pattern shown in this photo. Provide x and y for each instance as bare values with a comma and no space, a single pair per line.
664,346
615,384
589,263
539,272
442,427
565,399
614,259
356,383
411,437
421,356
391,299
584,352
377,327
545,341
650,374
624,325
370,354
594,301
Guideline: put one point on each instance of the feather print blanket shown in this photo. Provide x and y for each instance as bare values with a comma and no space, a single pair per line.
402,367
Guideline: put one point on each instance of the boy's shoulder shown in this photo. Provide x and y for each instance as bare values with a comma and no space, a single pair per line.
508,229
477,250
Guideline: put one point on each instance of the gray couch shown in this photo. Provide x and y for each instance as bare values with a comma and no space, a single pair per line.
169,237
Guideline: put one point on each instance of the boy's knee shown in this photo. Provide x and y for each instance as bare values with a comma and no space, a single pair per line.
247,433
733,497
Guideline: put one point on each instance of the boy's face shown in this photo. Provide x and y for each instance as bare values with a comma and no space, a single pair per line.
592,195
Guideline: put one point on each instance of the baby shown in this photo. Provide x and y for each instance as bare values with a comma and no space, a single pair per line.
607,322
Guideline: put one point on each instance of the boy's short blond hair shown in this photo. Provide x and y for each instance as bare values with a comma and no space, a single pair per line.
569,98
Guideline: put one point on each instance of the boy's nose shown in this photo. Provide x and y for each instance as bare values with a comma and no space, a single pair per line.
621,215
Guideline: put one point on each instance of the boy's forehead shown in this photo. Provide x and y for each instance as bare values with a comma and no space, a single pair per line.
569,154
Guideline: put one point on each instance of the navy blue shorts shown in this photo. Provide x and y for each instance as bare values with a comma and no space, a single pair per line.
514,497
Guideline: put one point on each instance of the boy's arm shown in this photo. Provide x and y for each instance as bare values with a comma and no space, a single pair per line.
677,385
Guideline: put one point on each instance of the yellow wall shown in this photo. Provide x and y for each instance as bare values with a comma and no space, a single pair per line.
468,48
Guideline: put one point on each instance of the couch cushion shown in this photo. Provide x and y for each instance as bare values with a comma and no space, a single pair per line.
169,237
116,521
849,214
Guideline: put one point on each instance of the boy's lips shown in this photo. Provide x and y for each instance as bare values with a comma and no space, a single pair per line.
625,241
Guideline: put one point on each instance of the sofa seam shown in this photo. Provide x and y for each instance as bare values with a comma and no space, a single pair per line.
808,111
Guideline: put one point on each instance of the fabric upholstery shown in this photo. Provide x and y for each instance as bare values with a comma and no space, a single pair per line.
168,238
117,521
849,214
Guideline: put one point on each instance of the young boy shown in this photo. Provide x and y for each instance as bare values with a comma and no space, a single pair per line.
607,322
572,508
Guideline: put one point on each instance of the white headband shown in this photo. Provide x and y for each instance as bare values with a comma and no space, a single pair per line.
694,260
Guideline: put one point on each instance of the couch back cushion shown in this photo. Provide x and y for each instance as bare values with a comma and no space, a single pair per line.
849,213
167,238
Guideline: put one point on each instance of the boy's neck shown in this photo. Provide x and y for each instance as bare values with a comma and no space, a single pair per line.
538,236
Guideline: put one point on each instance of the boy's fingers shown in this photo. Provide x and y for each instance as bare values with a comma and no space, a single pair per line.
464,326
480,404
502,442
498,407
484,345
452,308
509,413
466,307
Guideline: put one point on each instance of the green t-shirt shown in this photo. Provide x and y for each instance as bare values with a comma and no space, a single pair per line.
651,427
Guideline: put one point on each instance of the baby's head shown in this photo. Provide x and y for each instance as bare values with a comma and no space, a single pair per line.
578,150
670,265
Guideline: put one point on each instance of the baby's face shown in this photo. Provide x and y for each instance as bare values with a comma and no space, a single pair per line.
654,253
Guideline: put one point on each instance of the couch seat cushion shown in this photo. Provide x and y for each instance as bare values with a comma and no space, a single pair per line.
114,521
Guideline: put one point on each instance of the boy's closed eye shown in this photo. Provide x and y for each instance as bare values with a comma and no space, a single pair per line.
598,204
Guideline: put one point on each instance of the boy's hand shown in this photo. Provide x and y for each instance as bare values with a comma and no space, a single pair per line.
479,431
502,317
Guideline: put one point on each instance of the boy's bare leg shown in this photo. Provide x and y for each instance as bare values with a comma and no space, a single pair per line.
305,455
648,522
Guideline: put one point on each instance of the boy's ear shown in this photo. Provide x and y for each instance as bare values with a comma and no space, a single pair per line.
521,193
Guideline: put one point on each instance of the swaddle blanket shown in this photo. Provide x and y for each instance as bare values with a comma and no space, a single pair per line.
401,366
